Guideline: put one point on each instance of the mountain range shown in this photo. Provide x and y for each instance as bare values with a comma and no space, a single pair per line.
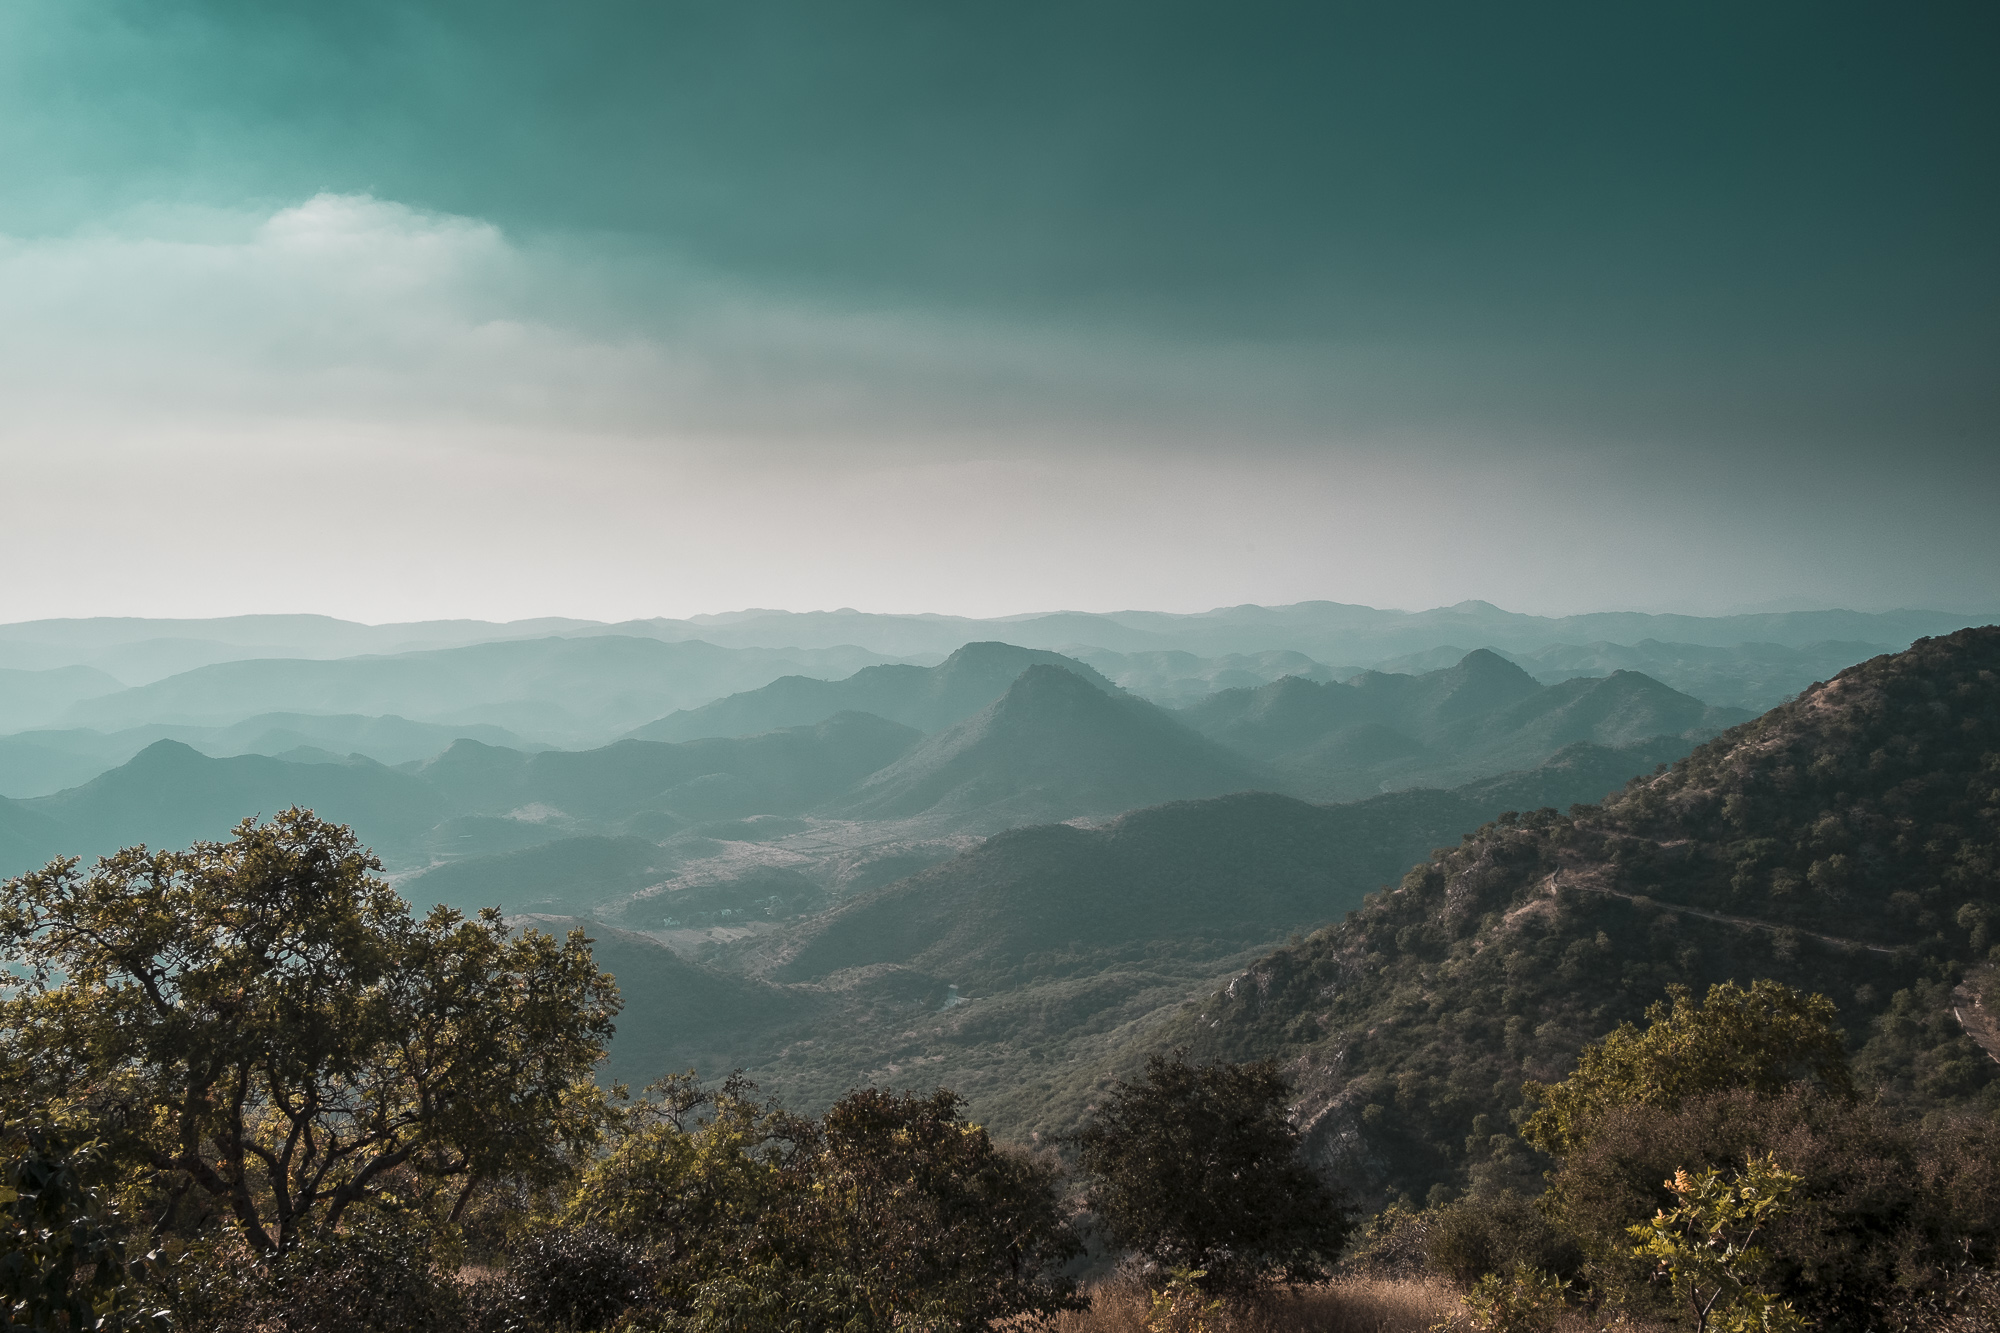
1845,843
1052,742
138,651
1011,876
554,688
996,968
1334,740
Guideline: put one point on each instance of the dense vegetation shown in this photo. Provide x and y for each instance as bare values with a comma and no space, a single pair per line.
244,1088
1845,843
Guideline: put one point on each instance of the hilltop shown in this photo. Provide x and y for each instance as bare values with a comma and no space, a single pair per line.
1054,746
1843,843
927,698
1335,740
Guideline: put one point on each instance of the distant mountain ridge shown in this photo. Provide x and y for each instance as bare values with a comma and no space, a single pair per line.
1337,740
927,698
1054,746
588,688
1330,632
40,763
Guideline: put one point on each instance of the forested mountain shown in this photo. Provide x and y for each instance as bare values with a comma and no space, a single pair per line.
1845,843
927,698
1333,740
1755,676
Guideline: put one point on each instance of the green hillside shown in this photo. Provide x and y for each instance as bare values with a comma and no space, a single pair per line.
1845,843
680,1015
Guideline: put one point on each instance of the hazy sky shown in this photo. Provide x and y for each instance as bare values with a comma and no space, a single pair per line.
612,308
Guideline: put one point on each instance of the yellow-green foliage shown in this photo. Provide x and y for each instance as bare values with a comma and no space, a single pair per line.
1180,1305
1526,1300
1762,1038
1705,1246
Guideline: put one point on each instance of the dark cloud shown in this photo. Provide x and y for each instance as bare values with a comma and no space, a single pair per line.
1728,266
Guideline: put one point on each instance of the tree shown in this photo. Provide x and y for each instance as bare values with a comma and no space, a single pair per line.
1705,1246
1763,1039
1197,1168
891,1212
934,1218
264,1031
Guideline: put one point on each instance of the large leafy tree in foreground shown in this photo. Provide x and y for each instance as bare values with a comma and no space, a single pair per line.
263,1029
1197,1167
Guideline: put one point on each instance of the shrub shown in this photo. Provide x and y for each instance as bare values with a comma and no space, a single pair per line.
1885,1211
1473,1238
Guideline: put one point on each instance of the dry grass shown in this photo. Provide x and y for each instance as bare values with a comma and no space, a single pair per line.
1360,1305
1350,1305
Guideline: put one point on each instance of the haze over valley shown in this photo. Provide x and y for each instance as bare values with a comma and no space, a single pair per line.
1067,667
1055,847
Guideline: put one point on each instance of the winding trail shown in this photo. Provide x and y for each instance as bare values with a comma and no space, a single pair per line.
1750,923
1979,1023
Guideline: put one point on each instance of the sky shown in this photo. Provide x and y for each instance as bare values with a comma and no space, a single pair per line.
610,308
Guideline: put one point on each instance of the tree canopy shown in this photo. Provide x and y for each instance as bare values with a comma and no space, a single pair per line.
263,1031
890,1208
1763,1039
1197,1167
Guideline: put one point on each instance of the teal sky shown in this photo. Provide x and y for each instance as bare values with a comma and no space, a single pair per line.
626,309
